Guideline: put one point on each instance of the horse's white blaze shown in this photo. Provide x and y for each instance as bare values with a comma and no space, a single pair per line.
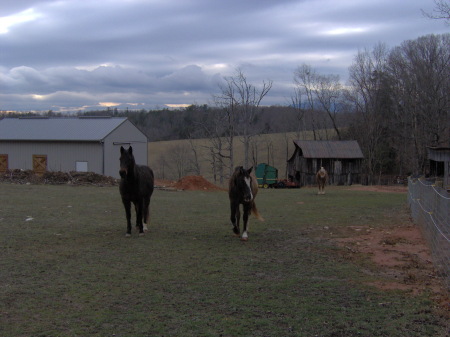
247,181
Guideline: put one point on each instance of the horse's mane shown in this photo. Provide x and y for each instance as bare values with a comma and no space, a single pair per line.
237,171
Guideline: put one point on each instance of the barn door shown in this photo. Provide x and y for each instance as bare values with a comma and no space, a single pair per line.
39,163
3,163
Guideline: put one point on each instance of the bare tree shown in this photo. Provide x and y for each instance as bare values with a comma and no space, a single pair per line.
240,101
367,81
226,120
322,93
180,158
195,163
421,69
305,81
329,96
215,128
296,102
161,167
441,11
248,99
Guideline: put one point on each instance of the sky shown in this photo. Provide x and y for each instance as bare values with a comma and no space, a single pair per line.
73,55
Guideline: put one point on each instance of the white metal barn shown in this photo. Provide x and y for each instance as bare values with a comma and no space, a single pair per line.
85,144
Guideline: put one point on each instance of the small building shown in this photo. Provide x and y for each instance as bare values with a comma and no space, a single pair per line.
84,144
341,159
440,164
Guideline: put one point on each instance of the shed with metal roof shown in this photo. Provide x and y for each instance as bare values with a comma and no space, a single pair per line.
341,159
439,158
90,144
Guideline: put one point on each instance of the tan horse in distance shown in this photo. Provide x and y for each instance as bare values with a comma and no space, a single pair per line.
321,177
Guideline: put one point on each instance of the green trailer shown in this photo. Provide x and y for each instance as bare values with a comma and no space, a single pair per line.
266,175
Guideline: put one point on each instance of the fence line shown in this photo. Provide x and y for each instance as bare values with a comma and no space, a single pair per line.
430,209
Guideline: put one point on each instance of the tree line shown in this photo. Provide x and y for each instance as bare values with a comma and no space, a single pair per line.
395,104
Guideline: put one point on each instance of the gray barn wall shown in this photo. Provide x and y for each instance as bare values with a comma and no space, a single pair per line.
61,156
126,134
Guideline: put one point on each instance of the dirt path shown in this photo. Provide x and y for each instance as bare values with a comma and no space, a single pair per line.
401,255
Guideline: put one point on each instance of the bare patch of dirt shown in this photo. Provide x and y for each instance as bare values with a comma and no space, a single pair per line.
402,258
188,183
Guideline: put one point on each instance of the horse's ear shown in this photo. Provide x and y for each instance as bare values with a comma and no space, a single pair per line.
121,149
130,150
250,170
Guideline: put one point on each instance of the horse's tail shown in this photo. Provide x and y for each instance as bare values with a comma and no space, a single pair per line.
255,212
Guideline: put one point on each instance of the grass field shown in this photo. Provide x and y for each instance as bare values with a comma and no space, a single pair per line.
66,268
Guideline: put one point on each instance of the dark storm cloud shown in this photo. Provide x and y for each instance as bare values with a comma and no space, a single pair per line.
81,54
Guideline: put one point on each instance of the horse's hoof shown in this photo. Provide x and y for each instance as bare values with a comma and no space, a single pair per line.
236,235
244,239
128,235
141,234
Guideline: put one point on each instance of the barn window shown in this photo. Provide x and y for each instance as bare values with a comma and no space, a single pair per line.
81,166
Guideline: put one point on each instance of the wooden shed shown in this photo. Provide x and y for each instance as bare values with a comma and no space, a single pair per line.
86,144
440,164
341,159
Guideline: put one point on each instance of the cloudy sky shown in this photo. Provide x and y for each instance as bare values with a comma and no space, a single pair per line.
83,55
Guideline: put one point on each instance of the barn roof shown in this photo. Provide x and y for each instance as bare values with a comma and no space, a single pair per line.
441,154
58,129
342,149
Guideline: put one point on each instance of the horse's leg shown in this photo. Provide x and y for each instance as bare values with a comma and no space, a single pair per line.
146,212
247,209
234,217
139,224
127,205
136,212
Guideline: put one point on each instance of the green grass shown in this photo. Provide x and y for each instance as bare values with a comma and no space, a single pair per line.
71,272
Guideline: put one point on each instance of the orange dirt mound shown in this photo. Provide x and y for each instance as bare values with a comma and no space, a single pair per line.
196,183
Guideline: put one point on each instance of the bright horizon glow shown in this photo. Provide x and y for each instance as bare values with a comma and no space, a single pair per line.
177,105
108,104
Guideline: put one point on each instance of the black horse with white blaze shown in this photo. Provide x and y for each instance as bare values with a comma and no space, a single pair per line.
243,188
136,186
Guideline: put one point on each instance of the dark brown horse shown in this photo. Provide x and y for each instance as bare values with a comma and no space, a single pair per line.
243,188
321,177
136,186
